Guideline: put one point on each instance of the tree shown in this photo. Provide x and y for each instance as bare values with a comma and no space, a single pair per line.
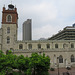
1,54
40,64
34,65
6,62
23,64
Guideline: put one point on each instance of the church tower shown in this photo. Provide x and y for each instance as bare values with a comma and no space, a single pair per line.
9,27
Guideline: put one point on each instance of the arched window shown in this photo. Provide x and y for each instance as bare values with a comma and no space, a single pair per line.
9,18
8,30
39,46
11,48
72,58
65,45
60,59
8,40
30,46
56,45
72,45
20,46
48,46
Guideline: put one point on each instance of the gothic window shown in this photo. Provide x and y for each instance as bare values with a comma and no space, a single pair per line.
8,40
39,46
9,18
8,30
48,46
72,58
20,46
30,46
56,45
72,45
65,45
60,59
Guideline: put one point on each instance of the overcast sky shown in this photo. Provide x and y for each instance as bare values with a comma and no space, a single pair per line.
48,16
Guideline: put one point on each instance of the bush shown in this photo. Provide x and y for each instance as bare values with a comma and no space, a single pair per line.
2,72
17,73
52,69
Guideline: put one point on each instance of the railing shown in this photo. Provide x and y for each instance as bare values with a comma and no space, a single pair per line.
64,73
46,50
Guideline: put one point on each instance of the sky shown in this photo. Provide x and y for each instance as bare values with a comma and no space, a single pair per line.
48,16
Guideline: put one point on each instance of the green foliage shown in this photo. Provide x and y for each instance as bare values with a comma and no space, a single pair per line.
34,65
2,72
17,73
1,54
9,52
2,63
40,64
23,64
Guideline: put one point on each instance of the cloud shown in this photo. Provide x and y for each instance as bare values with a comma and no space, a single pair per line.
40,14
48,16
66,8
44,32
45,11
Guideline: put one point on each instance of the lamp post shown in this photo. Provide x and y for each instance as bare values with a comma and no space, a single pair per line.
58,64
65,62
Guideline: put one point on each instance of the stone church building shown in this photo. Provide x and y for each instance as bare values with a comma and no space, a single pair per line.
60,47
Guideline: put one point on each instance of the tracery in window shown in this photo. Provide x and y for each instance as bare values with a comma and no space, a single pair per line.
30,46
60,59
20,46
8,30
48,46
9,18
72,45
56,45
39,46
8,40
72,58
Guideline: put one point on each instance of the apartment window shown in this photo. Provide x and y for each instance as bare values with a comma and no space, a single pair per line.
72,58
8,30
8,40
30,46
20,46
60,59
72,45
9,18
48,46
56,45
39,46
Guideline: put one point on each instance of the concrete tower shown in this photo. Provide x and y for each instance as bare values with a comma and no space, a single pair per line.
9,27
27,32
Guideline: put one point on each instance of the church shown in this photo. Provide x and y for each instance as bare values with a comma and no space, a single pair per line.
60,47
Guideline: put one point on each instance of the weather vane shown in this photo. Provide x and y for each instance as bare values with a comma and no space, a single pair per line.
4,5
11,1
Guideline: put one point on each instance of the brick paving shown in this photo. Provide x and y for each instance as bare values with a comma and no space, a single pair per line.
62,70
